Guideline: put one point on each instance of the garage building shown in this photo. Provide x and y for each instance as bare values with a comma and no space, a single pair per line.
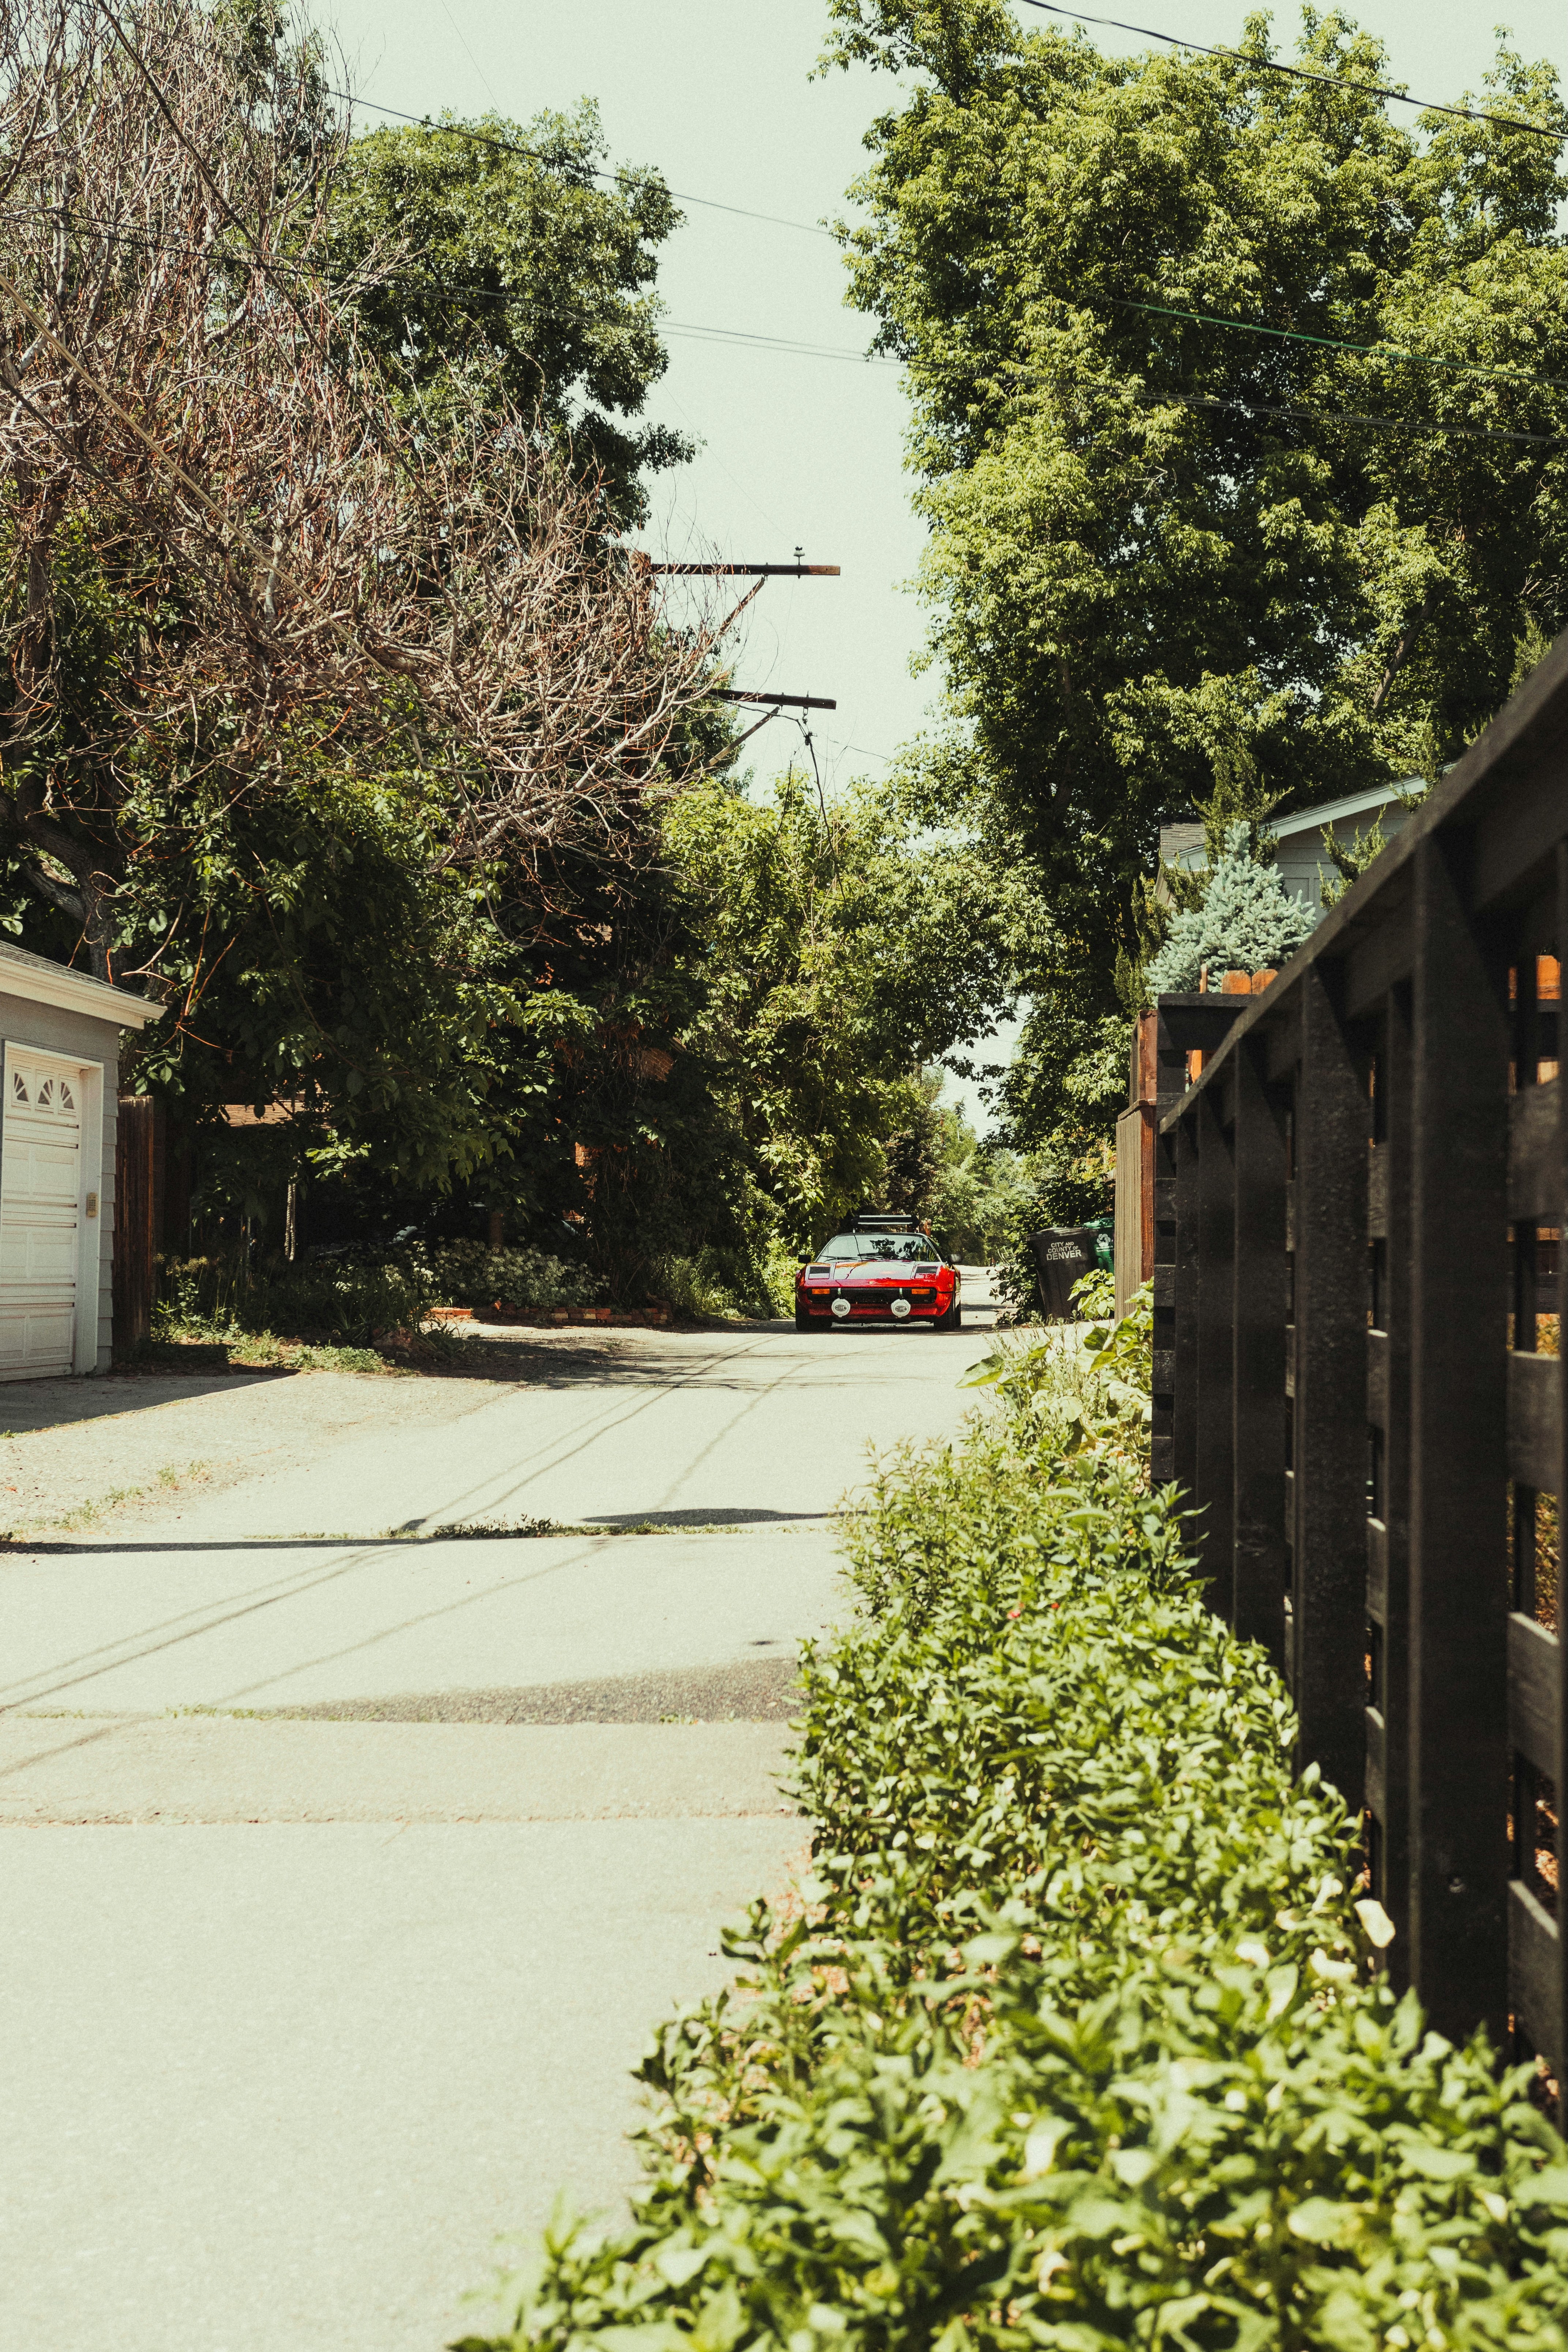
59,1058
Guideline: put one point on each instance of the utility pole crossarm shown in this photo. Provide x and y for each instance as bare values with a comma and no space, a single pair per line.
779,701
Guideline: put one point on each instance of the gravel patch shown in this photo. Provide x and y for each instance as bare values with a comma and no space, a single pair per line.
77,1453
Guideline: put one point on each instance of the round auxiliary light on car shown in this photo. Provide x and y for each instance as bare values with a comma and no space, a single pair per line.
901,1307
841,1308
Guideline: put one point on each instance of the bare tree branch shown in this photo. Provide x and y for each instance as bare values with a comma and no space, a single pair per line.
190,432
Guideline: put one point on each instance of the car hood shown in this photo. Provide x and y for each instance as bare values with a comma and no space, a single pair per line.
855,1273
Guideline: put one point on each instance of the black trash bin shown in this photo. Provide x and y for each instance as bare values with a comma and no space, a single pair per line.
1062,1254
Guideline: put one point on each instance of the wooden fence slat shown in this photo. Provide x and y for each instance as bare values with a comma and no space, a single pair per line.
1458,1596
133,1275
1259,1276
1388,1534
1557,1195
1214,1482
1184,1420
1329,1576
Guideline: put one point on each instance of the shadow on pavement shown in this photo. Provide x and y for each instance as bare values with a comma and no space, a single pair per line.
29,1405
762,1691
715,1520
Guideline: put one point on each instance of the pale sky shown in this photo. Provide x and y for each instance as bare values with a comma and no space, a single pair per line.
797,450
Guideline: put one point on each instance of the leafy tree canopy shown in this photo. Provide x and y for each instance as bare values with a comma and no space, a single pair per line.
843,951
1239,416
506,246
367,794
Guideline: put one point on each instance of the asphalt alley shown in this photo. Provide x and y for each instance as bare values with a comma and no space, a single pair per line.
349,1860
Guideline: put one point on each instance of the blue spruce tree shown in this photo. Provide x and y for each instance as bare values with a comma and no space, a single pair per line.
1246,921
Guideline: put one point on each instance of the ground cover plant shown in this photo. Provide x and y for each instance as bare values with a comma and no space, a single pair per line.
475,1274
1073,2036
347,1301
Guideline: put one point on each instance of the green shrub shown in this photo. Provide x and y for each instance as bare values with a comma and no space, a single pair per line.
472,1274
728,1284
1069,1391
1247,920
1074,2040
343,1298
779,1270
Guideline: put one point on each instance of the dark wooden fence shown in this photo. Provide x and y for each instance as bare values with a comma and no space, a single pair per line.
135,1196
1358,1209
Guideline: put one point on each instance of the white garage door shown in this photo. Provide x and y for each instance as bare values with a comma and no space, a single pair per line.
40,1187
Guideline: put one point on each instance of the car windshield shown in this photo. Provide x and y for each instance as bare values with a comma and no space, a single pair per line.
907,1247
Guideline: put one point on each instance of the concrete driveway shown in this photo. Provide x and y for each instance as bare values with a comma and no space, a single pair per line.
348,1871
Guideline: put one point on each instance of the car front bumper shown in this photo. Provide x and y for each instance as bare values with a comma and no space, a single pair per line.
872,1307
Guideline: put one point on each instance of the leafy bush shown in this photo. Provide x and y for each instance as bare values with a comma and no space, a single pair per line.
472,1274
780,1267
1094,1294
344,1298
1071,1392
1073,2038
720,1284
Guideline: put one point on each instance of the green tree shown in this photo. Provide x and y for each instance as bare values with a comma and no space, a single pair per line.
495,241
843,952
366,791
1237,425
980,1189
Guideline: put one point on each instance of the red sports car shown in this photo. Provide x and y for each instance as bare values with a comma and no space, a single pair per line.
881,1270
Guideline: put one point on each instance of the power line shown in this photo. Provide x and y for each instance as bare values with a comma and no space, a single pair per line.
1176,397
1345,416
691,329
594,171
743,338
1302,73
1334,344
864,749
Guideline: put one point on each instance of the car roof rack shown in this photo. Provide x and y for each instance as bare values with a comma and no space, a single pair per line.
882,1221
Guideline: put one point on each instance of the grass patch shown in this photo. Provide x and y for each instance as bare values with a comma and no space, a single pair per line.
175,1345
87,1515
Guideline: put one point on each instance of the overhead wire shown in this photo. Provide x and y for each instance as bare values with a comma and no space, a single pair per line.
1348,417
455,289
727,337
1302,73
557,163
743,339
1337,344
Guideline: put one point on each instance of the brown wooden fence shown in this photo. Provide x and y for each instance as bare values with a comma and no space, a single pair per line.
135,1195
1358,1206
